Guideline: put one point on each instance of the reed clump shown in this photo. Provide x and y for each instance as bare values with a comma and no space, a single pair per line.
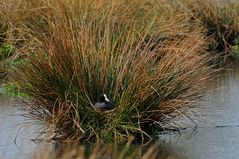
145,56
151,65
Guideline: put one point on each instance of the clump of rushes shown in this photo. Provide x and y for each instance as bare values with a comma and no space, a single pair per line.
221,20
144,56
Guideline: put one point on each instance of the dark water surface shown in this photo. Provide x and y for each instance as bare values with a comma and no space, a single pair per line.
217,135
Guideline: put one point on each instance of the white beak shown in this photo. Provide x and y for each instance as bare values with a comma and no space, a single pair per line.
106,99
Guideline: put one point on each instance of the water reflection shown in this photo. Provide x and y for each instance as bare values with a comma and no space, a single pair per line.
110,151
209,142
11,123
221,103
216,137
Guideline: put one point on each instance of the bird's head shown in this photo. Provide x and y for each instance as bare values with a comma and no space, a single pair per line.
102,98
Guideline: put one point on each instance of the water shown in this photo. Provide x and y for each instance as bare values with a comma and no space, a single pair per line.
216,136
15,132
218,126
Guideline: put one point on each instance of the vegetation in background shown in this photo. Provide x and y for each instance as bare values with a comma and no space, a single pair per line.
14,15
8,58
235,48
221,20
2,36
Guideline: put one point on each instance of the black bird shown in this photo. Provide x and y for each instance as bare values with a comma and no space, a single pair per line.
103,103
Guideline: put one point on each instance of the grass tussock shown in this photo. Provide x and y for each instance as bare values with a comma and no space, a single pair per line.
145,56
